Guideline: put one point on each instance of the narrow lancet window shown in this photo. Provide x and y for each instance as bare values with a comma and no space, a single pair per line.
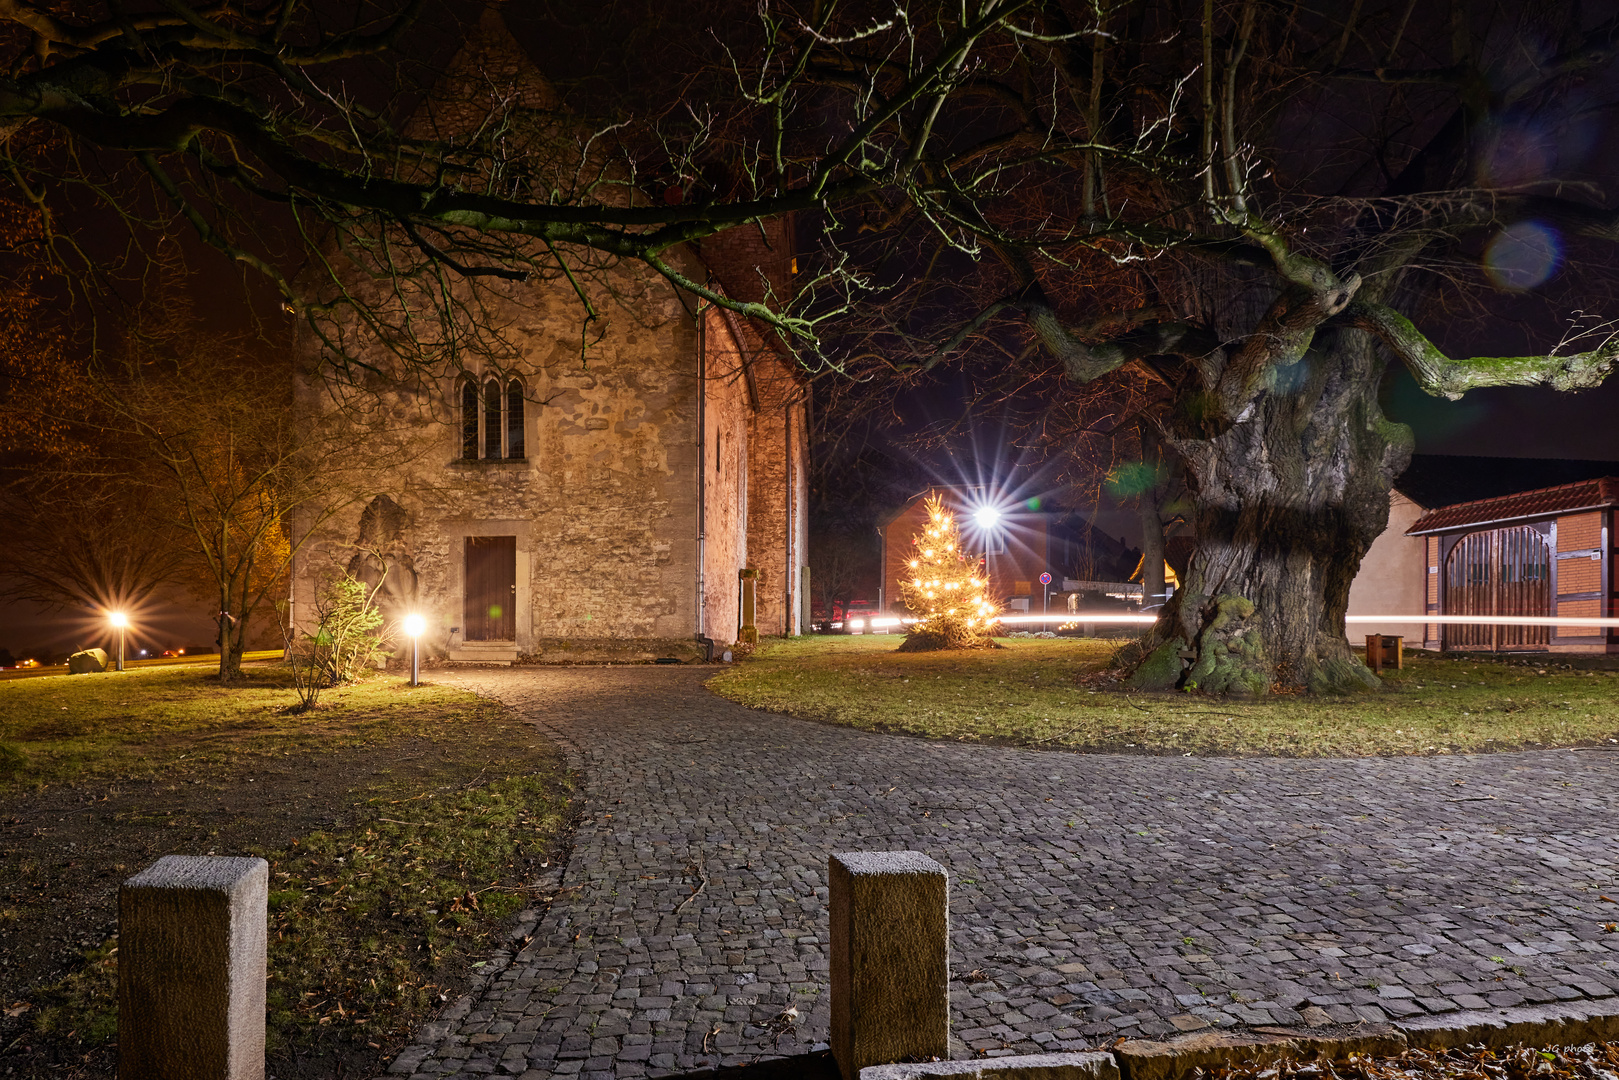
491,421
514,420
469,420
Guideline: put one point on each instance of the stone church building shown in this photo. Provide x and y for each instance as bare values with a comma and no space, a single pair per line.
596,501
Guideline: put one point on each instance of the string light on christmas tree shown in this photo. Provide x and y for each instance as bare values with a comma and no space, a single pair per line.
946,590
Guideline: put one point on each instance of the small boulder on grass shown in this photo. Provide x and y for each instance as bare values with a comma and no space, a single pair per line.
87,662
946,588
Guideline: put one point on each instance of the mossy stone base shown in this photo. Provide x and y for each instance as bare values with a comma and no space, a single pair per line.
1161,670
1231,655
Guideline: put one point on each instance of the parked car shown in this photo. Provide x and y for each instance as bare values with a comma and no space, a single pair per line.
852,611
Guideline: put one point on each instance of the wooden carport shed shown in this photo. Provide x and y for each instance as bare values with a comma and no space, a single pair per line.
1547,552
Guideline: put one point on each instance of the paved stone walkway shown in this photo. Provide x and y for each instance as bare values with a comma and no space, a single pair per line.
1091,895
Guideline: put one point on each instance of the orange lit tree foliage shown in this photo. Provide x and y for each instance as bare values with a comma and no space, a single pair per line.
945,589
39,390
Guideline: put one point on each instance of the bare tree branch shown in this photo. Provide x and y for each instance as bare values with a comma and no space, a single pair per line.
1442,376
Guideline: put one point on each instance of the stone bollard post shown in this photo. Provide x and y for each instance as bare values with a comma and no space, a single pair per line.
890,915
191,969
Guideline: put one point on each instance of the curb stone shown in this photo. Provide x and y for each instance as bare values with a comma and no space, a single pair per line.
1566,1023
1143,1059
1095,1065
1569,1022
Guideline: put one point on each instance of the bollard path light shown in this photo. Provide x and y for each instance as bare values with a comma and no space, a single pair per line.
414,625
121,622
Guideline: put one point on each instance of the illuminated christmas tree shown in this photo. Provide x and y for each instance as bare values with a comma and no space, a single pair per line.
944,586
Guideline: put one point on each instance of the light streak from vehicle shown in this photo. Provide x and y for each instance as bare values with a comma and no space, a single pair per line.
1121,618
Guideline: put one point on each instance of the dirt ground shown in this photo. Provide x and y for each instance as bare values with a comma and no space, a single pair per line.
65,850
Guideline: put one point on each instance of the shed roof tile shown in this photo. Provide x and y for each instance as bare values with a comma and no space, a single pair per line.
1543,502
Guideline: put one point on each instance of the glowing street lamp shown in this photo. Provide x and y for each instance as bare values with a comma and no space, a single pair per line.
414,625
121,622
987,517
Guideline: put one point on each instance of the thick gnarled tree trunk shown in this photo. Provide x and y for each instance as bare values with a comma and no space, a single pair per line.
1287,501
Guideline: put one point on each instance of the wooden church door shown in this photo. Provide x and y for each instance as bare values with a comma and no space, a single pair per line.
491,584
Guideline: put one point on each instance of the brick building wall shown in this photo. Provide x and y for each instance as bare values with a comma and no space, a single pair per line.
1547,551
754,262
776,503
1430,636
725,478
1581,578
756,419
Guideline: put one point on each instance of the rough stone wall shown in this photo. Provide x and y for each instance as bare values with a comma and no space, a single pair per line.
775,510
726,409
749,258
603,505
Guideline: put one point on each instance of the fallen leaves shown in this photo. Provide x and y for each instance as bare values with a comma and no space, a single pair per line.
1599,1061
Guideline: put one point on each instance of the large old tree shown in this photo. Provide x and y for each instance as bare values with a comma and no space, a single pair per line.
1250,206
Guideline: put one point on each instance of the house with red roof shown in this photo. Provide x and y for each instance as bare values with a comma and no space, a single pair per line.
1545,552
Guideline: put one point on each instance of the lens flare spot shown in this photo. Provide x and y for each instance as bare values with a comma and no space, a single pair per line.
1522,256
1133,478
1519,153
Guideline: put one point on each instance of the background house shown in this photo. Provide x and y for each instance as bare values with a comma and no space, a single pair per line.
1488,535
1392,579
561,501
1029,538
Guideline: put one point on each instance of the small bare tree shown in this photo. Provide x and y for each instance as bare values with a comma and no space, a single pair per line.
349,636
246,482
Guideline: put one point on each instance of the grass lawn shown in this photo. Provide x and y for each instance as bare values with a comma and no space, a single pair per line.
1045,692
402,825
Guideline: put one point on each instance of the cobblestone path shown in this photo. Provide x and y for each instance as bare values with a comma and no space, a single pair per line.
1091,895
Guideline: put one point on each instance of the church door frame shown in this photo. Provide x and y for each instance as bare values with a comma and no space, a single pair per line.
489,597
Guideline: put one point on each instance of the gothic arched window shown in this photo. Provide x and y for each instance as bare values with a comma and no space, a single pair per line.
492,420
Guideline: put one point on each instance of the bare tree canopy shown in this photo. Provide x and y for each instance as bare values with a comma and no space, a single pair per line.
1252,208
